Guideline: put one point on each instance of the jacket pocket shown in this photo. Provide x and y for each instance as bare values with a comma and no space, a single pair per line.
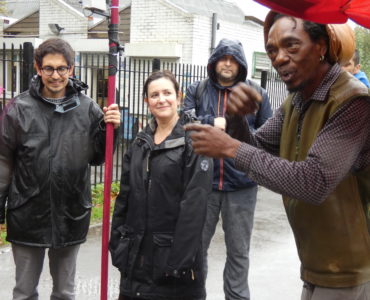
20,196
120,246
76,201
162,243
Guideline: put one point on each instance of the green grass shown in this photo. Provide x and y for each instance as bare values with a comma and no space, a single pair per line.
3,235
98,200
97,209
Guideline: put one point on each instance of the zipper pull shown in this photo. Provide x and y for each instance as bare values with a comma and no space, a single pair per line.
192,275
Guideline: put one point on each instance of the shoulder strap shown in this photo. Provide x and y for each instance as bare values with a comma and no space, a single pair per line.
199,92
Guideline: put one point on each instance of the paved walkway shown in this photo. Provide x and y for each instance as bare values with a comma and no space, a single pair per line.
274,270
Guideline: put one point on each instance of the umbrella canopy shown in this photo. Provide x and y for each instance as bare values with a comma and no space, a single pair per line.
324,11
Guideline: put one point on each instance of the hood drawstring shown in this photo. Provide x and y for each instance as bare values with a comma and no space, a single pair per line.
221,113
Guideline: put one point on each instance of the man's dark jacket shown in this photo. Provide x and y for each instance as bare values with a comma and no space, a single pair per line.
159,216
44,161
226,177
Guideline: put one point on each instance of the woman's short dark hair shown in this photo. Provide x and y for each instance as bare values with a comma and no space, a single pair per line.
55,46
157,75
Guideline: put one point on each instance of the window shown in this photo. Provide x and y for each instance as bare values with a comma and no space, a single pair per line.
260,62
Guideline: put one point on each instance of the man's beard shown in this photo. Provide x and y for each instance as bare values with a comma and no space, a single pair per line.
297,88
224,79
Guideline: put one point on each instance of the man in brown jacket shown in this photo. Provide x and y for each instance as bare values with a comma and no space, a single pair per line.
315,151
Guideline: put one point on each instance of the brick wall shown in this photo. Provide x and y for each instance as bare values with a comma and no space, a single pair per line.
156,20
201,47
57,12
249,34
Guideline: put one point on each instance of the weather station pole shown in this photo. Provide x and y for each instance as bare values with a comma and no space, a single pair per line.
114,49
99,7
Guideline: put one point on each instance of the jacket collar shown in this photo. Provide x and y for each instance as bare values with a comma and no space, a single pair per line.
73,89
176,137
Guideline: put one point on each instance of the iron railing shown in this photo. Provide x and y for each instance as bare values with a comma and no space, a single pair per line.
275,88
93,70
16,70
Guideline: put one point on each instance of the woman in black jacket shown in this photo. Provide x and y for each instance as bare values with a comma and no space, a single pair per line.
160,210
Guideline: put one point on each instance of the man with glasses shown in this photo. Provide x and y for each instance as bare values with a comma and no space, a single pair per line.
49,135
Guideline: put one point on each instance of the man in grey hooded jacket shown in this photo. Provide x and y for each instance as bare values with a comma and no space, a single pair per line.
234,195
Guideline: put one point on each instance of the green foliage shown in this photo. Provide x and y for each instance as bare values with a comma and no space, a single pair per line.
96,212
363,45
98,201
3,235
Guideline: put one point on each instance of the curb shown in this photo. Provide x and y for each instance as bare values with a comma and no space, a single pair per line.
5,249
95,229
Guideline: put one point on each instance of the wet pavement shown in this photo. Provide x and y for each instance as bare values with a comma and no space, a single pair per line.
274,265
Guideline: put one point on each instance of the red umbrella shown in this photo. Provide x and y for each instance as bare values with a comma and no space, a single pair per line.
324,11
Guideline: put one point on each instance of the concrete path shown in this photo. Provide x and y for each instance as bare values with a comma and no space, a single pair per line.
274,270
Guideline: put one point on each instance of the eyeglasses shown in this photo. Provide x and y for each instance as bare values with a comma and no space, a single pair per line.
62,70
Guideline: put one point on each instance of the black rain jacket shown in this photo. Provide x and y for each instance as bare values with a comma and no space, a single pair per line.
44,162
213,103
159,216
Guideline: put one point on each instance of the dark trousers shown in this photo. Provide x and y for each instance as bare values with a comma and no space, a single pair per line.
237,212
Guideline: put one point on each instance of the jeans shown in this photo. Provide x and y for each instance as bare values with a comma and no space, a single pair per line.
29,263
237,212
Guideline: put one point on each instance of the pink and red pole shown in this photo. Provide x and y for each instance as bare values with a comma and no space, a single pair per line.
113,63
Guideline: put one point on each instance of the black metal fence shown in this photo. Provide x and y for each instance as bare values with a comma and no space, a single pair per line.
93,69
17,68
275,88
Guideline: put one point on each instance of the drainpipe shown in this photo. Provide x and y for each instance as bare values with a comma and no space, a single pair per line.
213,33
27,65
156,66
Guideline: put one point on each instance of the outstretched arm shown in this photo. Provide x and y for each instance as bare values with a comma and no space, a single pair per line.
311,180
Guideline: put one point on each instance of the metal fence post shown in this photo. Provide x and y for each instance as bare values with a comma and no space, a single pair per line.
156,64
264,79
27,65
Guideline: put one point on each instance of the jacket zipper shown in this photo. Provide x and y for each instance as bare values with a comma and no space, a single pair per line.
221,180
149,142
50,184
146,139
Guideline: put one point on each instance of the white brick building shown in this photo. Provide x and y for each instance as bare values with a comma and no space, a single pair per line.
176,31
181,31
66,16
172,30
